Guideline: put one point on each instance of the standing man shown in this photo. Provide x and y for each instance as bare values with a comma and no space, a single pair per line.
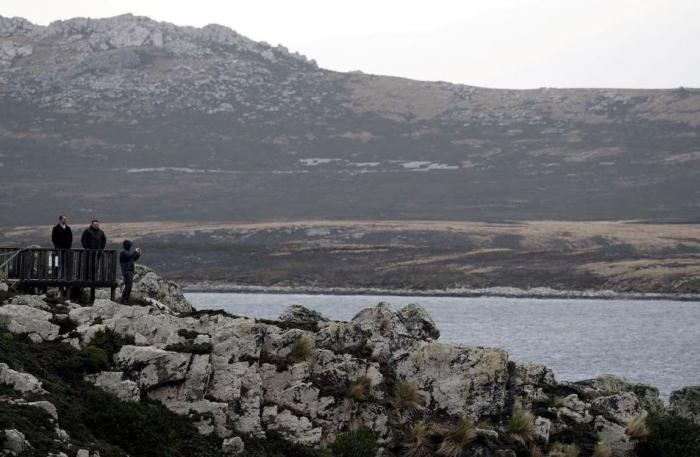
126,259
61,235
93,237
62,238
94,240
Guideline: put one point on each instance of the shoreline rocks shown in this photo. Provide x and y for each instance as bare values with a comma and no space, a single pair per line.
308,383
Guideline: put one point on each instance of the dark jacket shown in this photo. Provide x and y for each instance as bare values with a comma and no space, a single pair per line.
127,258
93,239
62,238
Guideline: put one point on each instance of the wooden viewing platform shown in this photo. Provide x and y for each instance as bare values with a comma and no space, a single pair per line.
42,268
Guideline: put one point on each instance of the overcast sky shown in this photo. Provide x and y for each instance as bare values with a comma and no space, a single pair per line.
493,43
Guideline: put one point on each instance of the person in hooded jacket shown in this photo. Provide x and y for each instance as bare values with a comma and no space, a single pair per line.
127,259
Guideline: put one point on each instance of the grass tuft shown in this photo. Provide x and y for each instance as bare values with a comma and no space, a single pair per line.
301,350
361,442
564,450
360,388
637,427
536,451
407,396
418,441
601,450
522,425
456,438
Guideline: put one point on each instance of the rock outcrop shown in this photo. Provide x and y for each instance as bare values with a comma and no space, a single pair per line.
685,402
384,370
297,314
150,286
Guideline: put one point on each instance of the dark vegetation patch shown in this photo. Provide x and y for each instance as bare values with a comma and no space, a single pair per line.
64,325
7,294
191,347
670,436
188,334
582,435
111,342
361,442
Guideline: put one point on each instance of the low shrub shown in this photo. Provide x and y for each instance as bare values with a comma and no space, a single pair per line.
111,342
97,355
361,442
669,436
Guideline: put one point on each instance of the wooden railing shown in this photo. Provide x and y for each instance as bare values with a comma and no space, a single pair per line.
43,267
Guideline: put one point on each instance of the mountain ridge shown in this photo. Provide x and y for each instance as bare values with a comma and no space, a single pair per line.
205,124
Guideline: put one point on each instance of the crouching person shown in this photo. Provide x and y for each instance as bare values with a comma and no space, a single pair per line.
126,259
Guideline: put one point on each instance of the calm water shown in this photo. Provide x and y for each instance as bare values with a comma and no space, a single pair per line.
655,342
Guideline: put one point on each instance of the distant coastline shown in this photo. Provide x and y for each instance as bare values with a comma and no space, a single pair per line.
507,292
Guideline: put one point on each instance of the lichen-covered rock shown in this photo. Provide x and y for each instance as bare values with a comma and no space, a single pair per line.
233,446
15,442
608,384
290,388
385,333
342,337
613,436
148,284
418,322
209,417
33,301
620,408
22,319
339,372
114,383
292,427
533,374
46,406
685,402
459,381
151,367
301,315
542,429
24,383
573,409
278,344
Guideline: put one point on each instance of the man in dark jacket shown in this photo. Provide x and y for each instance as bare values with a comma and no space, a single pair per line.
62,238
93,237
61,235
126,259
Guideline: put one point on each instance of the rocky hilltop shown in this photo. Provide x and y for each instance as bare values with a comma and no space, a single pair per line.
380,384
183,123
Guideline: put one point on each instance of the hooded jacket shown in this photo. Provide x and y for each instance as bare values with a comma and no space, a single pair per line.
127,257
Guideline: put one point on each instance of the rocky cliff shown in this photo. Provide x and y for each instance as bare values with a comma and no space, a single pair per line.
312,381
183,123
